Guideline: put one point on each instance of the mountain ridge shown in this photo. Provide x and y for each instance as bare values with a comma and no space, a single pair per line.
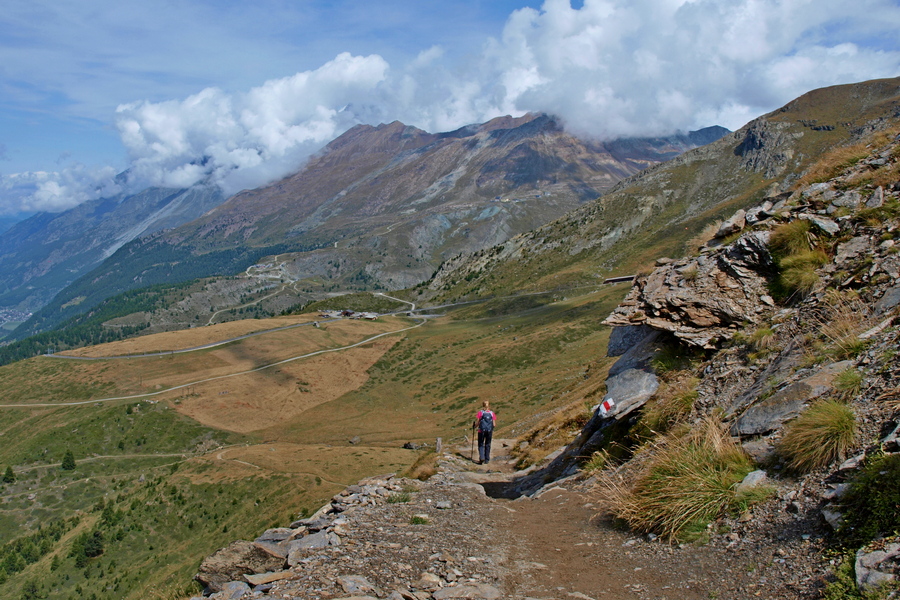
380,207
674,201
44,253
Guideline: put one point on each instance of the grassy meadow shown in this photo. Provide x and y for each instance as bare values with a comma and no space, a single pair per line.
165,479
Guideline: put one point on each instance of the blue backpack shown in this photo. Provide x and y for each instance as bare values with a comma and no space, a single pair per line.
487,421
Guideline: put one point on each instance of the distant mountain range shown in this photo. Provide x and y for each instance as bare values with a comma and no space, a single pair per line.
668,209
46,252
379,207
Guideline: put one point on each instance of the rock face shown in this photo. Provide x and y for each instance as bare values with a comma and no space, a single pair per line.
702,300
770,413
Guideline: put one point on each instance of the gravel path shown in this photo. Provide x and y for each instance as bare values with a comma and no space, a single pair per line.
445,538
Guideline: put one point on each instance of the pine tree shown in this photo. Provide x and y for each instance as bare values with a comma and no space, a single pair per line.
68,461
9,476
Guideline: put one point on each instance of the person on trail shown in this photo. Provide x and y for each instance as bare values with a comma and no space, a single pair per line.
485,421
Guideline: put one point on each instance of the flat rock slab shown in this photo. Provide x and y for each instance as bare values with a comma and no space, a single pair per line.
263,578
766,415
630,389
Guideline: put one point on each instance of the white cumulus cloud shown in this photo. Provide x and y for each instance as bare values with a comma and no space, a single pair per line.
609,68
242,140
34,191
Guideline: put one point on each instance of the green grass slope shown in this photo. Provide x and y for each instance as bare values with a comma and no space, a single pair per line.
161,491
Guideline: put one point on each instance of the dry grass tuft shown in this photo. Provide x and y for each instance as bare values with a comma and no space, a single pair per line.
844,318
798,275
597,462
848,383
670,406
791,238
551,432
684,481
424,467
833,163
763,339
819,436
792,246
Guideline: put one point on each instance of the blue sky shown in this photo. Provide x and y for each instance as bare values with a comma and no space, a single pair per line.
237,94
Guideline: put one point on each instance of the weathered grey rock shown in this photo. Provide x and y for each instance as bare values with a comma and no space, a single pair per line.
888,301
702,300
823,223
274,548
480,590
731,226
264,578
836,491
278,534
233,590
356,584
815,189
753,480
760,450
444,505
853,248
630,390
850,199
299,549
235,560
853,463
428,582
873,567
891,442
311,542
768,414
876,200
312,524
758,213
639,355
275,540
832,516
623,339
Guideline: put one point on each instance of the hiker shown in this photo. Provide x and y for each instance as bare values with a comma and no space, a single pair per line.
485,421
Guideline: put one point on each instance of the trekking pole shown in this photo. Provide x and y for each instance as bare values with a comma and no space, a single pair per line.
472,454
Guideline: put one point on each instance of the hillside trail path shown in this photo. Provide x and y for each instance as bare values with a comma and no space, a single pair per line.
555,545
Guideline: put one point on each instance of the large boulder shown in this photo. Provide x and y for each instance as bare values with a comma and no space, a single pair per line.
624,339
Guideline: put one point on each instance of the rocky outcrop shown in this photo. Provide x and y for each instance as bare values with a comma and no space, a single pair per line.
769,413
768,147
703,300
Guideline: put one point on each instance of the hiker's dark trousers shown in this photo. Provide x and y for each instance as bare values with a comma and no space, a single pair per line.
484,445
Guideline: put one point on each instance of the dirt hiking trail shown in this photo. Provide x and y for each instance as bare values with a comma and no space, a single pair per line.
556,545
445,538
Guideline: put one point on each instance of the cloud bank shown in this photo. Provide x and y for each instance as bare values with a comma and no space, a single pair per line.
610,68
